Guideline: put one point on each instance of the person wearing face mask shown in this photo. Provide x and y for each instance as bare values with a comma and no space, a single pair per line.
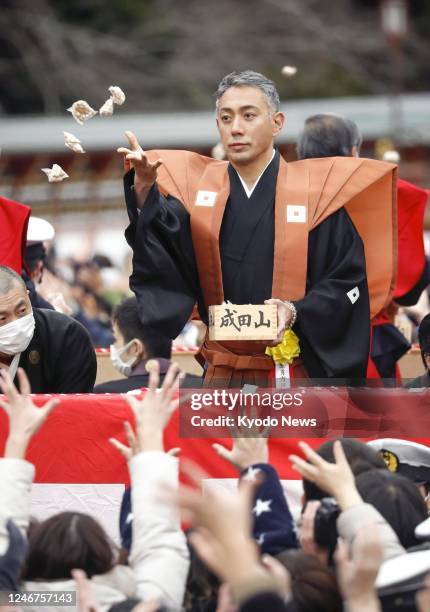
135,345
53,349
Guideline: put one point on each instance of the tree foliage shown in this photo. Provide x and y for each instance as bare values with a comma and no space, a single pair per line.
170,54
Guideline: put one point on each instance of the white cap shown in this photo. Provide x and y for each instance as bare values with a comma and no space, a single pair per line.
39,230
403,568
406,451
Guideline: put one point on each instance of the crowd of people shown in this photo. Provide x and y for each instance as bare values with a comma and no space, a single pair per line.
361,540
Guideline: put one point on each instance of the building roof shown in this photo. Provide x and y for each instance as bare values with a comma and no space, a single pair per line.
374,115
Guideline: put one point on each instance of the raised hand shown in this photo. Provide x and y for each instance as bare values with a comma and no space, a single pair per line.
25,418
152,413
357,569
245,452
145,171
307,533
222,521
336,479
86,600
222,534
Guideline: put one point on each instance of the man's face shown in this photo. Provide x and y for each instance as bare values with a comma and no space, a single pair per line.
119,340
135,350
14,305
246,124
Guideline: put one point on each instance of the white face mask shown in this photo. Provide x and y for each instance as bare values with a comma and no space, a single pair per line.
124,367
16,336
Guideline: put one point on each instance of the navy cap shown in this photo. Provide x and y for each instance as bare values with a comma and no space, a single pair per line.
407,458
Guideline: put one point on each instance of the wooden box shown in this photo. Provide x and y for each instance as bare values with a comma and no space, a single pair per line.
243,322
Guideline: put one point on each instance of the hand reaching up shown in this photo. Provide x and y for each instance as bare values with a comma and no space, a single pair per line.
357,570
152,413
336,478
222,533
245,452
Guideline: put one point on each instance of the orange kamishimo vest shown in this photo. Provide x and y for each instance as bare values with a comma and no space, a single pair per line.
307,192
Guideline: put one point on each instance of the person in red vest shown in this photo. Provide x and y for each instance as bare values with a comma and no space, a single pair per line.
327,135
253,229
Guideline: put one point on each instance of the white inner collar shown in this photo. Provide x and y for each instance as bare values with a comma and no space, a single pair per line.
249,191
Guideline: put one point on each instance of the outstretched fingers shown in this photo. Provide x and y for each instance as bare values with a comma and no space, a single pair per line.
122,448
49,407
7,386
24,383
132,141
153,367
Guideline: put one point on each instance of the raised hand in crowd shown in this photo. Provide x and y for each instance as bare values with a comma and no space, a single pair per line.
307,533
152,413
145,171
336,478
159,554
279,573
85,598
225,601
357,570
25,418
246,451
222,535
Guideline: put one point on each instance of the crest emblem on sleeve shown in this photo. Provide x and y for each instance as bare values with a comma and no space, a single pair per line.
296,213
354,294
206,198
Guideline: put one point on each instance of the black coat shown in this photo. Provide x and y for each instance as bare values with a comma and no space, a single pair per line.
122,385
60,357
333,328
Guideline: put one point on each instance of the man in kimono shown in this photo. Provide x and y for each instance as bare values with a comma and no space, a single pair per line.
254,230
326,135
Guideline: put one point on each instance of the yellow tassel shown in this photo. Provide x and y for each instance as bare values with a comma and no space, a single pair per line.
287,350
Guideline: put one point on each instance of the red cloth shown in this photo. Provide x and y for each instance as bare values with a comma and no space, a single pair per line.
72,446
13,233
411,203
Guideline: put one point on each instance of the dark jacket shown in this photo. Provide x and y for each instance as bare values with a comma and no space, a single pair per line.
60,357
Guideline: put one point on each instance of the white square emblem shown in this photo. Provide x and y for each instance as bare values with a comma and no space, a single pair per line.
296,213
354,294
206,198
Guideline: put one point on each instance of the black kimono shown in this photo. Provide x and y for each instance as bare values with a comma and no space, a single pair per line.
60,357
333,322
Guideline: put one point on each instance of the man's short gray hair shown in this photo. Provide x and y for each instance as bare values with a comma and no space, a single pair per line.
249,78
8,279
328,135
